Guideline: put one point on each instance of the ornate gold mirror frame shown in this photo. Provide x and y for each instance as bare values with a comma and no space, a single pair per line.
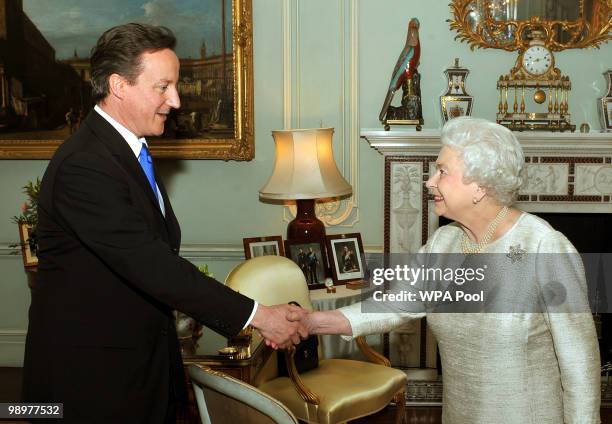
489,32
219,143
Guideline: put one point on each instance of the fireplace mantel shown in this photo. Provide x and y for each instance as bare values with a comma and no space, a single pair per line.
428,142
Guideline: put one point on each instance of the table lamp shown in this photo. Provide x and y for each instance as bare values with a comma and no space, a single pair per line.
305,170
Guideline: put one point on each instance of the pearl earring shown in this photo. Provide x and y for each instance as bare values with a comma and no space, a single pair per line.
474,201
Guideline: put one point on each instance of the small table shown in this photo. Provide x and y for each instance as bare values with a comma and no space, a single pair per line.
333,346
244,365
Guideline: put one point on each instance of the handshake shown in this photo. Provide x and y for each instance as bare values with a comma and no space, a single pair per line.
282,326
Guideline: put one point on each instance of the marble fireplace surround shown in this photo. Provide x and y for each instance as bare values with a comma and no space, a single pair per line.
565,173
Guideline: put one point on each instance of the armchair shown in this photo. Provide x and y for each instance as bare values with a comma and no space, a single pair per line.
222,398
338,390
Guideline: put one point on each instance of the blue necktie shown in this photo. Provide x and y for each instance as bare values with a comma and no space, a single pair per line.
146,161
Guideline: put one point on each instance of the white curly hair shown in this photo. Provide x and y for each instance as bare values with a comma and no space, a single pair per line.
492,156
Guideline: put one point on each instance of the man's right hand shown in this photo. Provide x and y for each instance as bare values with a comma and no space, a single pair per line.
273,324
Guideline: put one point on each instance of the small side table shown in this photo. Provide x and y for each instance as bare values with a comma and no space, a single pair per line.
333,346
245,365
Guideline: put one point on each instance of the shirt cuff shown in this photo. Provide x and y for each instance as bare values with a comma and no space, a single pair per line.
252,315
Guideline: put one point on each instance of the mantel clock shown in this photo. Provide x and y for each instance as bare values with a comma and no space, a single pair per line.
534,95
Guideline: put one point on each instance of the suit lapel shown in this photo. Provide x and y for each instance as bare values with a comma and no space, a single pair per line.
121,150
172,225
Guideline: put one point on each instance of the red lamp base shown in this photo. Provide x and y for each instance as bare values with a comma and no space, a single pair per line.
306,227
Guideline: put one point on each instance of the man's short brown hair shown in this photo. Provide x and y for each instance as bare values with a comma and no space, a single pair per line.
119,51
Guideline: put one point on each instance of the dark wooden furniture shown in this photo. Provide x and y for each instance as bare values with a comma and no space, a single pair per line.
250,356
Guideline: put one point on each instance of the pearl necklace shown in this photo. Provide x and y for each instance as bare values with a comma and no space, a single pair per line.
468,247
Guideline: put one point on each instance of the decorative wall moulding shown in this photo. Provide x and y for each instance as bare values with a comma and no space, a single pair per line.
342,213
345,212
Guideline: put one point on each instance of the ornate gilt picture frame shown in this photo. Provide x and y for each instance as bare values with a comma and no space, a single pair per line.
477,23
45,96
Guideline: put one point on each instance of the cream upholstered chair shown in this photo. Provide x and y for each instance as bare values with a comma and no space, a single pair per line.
225,399
338,390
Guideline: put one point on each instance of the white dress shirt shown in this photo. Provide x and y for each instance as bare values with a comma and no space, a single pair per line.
135,144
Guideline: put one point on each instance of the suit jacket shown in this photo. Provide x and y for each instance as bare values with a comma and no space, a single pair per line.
101,336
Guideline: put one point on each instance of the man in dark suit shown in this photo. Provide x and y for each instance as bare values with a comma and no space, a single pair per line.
101,337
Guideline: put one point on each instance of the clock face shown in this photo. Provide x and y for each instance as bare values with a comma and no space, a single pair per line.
537,60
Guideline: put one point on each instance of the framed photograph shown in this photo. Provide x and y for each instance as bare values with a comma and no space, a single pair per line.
46,74
345,257
311,259
454,106
27,251
263,246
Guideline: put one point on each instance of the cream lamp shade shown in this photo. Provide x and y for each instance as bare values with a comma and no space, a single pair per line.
304,167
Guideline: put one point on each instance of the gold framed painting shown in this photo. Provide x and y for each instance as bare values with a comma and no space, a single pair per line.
45,75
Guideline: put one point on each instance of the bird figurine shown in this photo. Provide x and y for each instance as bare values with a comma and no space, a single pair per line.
406,65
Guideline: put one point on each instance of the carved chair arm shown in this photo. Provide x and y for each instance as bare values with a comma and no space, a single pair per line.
308,395
371,354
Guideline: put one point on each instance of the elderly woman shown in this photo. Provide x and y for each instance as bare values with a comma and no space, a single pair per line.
514,368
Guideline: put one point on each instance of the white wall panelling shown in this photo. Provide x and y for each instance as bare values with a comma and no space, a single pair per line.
320,88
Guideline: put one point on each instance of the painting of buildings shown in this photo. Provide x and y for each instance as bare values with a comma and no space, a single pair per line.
45,72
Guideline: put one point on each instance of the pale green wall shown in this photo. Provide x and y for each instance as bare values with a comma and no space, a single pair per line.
217,202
